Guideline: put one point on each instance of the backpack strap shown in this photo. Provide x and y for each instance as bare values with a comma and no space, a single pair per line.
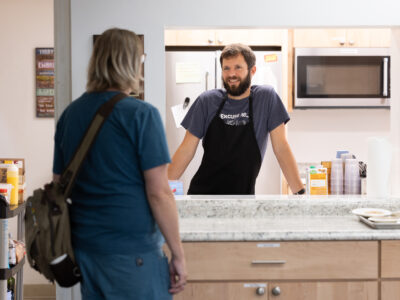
68,177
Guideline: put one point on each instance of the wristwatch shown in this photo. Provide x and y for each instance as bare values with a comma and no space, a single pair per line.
301,192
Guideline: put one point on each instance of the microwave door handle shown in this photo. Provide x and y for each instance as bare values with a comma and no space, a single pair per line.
385,76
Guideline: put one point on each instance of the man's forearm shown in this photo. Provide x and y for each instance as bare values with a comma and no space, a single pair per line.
179,163
183,156
289,168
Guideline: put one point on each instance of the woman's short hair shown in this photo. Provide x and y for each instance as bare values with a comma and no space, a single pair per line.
115,61
234,50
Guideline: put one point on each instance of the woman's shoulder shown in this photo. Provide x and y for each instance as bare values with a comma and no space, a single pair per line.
132,102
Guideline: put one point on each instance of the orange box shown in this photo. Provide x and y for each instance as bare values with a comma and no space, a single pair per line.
317,181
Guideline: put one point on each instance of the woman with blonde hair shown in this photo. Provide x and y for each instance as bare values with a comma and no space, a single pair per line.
121,199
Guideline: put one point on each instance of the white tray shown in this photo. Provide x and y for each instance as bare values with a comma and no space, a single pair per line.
375,225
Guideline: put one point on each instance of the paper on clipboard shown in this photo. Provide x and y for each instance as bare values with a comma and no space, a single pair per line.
179,113
188,72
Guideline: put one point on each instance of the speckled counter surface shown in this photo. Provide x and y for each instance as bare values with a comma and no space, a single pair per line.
279,218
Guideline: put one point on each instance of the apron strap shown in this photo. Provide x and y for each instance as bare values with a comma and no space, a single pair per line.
221,105
251,107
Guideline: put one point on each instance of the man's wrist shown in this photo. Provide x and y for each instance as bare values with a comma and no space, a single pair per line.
300,192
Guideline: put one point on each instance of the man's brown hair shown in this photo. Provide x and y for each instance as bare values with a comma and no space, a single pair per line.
234,50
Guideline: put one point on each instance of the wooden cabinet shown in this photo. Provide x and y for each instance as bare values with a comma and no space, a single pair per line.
319,37
224,291
371,37
286,260
254,37
352,37
217,37
189,37
390,290
288,270
357,290
390,262
390,270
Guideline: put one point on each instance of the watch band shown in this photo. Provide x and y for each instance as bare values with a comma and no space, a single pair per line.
301,192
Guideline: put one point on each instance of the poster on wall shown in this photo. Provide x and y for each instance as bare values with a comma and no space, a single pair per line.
44,82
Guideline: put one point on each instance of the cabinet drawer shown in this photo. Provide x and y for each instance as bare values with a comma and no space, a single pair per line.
287,260
356,290
390,259
224,291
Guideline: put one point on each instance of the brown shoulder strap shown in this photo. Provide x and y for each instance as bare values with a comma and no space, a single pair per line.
68,177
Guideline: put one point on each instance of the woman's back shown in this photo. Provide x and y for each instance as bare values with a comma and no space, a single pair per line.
110,211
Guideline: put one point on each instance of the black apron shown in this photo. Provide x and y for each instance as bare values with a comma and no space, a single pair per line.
231,160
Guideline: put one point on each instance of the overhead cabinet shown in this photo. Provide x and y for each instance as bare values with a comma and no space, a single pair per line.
220,37
342,37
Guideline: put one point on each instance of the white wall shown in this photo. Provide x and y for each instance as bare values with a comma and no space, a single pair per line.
24,25
316,134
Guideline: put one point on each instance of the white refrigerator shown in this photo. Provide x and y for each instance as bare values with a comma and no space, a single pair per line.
193,70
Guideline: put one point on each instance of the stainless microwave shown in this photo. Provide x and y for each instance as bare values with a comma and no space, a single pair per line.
342,78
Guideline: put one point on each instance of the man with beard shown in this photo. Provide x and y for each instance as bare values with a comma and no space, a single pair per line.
234,124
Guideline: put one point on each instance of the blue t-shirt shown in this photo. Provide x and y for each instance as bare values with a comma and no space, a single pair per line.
268,112
110,213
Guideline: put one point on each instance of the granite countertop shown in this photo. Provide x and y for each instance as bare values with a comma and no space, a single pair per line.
279,218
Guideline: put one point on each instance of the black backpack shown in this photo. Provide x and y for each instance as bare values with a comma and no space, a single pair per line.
47,224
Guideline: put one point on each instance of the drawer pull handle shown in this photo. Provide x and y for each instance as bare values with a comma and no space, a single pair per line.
260,291
276,291
268,262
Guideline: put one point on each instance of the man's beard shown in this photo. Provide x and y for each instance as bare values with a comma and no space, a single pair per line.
241,88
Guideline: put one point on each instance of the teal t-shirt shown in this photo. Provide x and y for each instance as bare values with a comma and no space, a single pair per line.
110,212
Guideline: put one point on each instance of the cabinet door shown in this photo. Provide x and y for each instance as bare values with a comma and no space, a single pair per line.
351,37
224,291
368,37
390,264
324,291
390,290
185,37
252,37
319,37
